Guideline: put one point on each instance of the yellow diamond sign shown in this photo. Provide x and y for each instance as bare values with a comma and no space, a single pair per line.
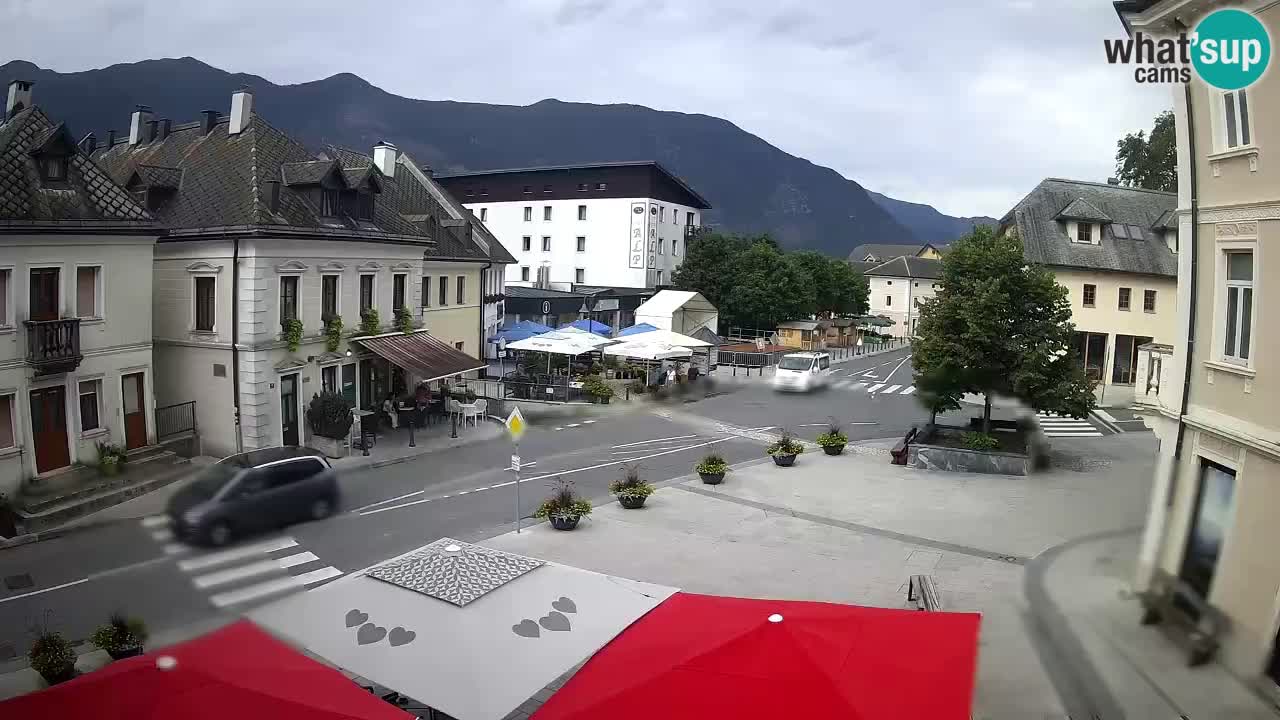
516,424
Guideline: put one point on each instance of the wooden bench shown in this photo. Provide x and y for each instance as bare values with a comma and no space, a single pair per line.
923,591
899,451
1177,606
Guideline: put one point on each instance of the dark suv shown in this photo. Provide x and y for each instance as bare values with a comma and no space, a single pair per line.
254,491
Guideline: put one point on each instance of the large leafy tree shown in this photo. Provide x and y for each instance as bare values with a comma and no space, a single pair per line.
709,264
998,325
768,288
1150,161
849,290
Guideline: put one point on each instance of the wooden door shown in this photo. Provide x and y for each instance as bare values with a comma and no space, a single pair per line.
49,428
135,410
44,294
289,409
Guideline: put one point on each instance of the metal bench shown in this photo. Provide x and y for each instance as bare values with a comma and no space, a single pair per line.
923,591
1196,624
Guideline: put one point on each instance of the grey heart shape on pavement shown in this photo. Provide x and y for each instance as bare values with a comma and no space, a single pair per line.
370,633
399,636
526,628
554,621
355,617
564,604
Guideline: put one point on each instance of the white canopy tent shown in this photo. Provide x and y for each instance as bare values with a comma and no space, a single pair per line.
642,348
669,337
680,311
469,630
561,343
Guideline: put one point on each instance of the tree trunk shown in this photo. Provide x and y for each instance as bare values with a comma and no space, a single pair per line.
986,413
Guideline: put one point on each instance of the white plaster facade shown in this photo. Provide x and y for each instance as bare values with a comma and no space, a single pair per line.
899,298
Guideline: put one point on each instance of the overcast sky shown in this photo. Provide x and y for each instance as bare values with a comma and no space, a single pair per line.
962,104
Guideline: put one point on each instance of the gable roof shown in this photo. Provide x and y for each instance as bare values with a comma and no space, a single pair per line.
696,200
86,199
883,251
1081,209
909,267
152,176
1139,249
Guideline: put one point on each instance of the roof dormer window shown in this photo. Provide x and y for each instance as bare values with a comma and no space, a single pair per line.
1084,233
364,206
53,168
330,202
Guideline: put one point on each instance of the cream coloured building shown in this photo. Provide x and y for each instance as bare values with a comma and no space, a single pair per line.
898,287
1114,249
1216,493
259,232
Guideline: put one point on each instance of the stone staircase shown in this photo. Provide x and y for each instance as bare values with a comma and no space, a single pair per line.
58,500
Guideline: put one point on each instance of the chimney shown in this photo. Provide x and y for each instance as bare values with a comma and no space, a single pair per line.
19,97
1113,181
140,117
384,156
153,130
273,195
166,126
210,119
111,138
426,170
89,143
241,111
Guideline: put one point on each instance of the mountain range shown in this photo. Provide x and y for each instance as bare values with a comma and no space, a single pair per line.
752,185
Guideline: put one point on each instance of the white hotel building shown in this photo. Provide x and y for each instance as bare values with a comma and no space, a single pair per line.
605,224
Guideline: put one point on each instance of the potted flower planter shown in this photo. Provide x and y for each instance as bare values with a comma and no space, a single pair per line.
122,653
54,677
712,478
109,468
53,657
833,440
564,522
833,449
632,502
331,447
784,460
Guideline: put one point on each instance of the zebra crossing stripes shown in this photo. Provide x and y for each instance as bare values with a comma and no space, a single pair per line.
1061,426
875,389
255,570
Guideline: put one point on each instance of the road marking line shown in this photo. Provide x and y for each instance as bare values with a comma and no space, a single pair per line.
272,587
559,428
587,422
45,590
570,472
175,549
896,367
892,389
154,521
1069,435
859,386
573,425
643,442
909,390
463,492
875,387
503,484
239,553
243,572
384,502
162,535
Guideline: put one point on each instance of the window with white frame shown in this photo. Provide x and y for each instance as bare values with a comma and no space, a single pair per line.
6,304
582,244
1238,296
582,212
526,243
528,213
1235,119
206,296
329,378
424,298
8,438
579,275
89,291
546,243
1084,233
675,247
90,405
524,273
546,212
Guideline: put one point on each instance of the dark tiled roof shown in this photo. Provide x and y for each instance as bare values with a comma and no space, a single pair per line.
306,173
159,177
699,201
1081,209
910,267
519,291
1045,239
87,198
224,185
862,266
883,251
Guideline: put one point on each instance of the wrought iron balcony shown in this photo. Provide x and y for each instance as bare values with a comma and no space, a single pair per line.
53,346
692,231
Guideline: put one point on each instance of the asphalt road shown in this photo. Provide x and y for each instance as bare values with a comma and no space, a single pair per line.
77,580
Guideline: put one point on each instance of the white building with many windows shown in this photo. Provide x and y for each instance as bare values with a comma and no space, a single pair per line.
605,224
75,268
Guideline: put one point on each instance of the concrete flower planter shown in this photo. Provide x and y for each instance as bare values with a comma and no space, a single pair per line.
331,447
712,478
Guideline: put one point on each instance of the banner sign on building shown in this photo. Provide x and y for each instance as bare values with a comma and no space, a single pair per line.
653,236
637,236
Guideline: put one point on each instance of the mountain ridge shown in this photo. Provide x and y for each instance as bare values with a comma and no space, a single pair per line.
752,185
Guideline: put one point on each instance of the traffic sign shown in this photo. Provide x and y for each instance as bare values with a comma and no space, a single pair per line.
516,424
515,462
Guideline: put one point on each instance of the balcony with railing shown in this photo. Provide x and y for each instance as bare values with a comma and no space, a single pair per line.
1153,385
692,231
53,346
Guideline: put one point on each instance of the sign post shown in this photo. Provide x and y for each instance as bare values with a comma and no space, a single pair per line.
516,426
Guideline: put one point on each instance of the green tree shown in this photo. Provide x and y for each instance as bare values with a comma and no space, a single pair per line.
708,266
849,289
1150,161
998,325
768,289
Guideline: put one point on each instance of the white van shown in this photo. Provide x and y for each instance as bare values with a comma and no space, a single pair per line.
802,371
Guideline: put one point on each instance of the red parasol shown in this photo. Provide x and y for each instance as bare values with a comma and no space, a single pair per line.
236,672
703,656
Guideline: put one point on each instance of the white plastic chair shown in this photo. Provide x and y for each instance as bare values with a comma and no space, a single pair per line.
482,408
455,407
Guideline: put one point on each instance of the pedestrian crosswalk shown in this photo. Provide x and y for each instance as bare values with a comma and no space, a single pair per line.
241,574
872,387
1062,426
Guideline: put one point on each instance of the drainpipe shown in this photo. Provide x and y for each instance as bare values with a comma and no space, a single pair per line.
235,337
483,346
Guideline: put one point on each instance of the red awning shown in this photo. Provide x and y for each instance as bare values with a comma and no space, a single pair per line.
420,353
236,672
700,656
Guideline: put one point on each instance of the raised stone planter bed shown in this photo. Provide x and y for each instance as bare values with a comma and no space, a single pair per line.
1024,449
